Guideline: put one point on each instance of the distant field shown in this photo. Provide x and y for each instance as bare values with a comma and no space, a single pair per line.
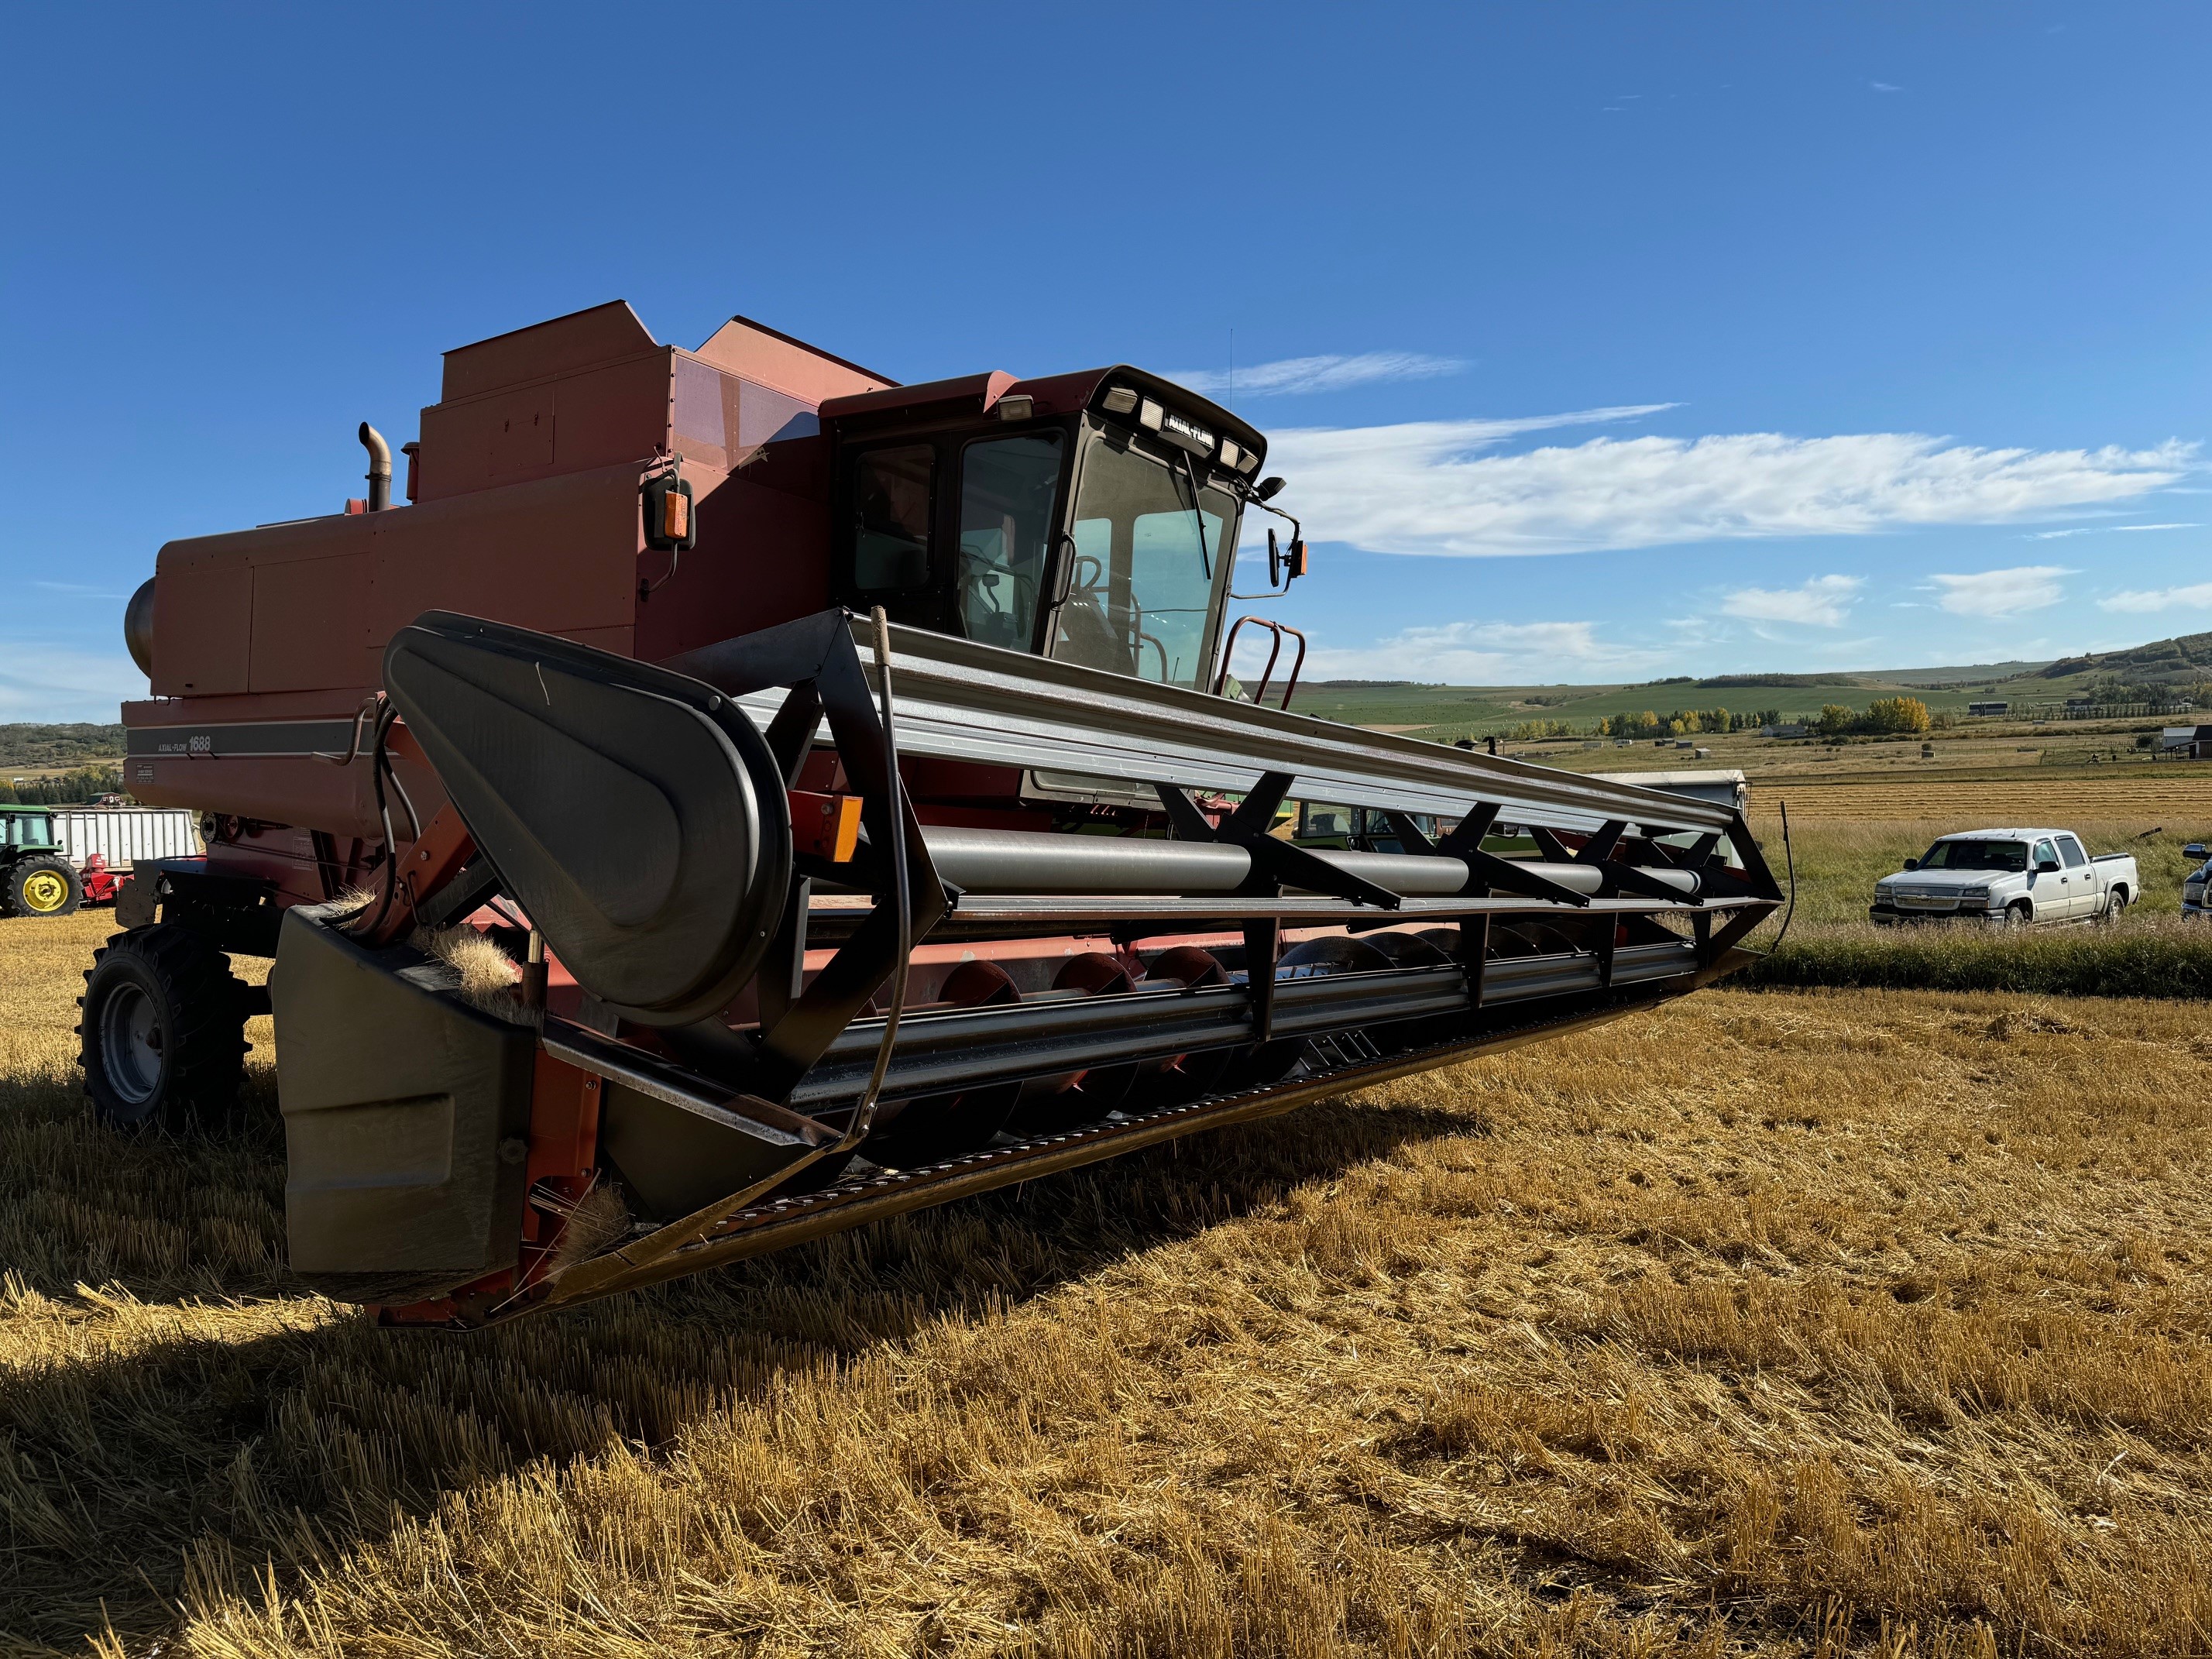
1448,712
2175,797
32,750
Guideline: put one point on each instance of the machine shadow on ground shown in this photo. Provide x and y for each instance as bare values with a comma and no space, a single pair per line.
225,1422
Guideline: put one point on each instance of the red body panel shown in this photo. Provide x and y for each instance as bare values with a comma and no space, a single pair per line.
526,480
525,487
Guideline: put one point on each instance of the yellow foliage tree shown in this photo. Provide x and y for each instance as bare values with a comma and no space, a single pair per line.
1901,714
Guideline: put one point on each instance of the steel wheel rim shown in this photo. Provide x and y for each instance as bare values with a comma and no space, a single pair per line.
44,892
130,1044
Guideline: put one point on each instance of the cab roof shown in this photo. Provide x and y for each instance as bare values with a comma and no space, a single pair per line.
1052,394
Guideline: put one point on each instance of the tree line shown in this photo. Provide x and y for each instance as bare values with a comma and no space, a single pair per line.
67,789
1883,717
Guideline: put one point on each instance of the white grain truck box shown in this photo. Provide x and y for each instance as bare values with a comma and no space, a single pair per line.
1723,786
125,835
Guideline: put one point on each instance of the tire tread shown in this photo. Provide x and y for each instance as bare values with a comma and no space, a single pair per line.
206,1009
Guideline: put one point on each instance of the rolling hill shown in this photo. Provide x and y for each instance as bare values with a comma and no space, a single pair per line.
1474,710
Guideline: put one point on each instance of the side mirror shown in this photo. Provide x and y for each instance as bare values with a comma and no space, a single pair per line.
2046,866
1912,864
1267,488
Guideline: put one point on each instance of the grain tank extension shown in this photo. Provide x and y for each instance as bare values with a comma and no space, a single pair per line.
733,797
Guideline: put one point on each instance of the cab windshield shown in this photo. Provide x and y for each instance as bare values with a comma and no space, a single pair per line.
1148,570
2009,856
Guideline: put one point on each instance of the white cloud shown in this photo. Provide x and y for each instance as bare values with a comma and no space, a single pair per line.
40,681
2102,529
2002,592
2196,597
1485,653
1291,375
1819,602
1428,487
1884,86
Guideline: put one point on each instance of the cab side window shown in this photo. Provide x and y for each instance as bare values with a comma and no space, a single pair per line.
1006,491
893,490
2044,853
2070,850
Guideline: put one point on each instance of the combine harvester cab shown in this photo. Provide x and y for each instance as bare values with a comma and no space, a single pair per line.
606,952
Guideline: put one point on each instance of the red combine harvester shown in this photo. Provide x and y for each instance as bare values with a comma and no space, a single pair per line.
739,798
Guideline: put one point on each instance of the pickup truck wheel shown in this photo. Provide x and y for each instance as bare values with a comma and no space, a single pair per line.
2017,914
2116,905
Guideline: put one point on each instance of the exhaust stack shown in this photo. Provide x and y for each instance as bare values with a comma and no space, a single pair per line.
379,467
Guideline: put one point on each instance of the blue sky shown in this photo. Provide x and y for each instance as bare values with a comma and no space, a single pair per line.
1598,342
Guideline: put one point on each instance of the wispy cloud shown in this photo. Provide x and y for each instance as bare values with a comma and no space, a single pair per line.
1431,487
1999,593
1290,376
1485,654
1884,86
78,590
2196,597
2102,529
39,681
1819,602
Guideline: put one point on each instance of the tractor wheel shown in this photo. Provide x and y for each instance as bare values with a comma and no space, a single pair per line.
40,887
162,1037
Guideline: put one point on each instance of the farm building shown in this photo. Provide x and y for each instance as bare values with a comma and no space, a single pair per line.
2185,742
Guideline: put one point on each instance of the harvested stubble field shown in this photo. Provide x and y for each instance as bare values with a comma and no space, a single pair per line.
2178,795
1771,1322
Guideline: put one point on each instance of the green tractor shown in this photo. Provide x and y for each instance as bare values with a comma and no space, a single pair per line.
35,879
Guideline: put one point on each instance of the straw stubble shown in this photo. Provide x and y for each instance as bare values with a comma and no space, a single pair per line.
1780,1322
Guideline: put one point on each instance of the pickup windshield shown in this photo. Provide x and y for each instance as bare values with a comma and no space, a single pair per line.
2007,856
1142,596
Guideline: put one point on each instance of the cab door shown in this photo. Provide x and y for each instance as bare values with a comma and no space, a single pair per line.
2079,877
2048,890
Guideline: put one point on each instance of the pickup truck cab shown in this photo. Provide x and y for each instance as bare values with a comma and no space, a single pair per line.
2011,877
2197,885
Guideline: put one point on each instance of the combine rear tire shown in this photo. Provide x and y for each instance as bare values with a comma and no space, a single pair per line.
162,1035
39,887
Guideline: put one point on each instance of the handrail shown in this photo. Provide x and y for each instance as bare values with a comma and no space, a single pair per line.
1277,630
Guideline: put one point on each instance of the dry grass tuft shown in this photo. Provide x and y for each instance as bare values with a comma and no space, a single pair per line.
1787,1322
488,975
2144,955
351,902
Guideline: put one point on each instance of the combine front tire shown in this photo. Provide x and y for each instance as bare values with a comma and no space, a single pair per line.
162,1035
40,887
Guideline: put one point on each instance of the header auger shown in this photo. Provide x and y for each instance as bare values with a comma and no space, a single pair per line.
742,798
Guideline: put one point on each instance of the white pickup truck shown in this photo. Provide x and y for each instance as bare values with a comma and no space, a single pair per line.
2011,877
